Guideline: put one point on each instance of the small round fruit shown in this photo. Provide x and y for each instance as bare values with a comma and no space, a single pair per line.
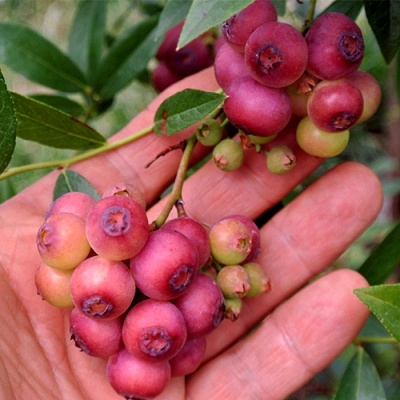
128,190
134,378
228,155
259,282
335,46
52,285
228,65
189,358
101,288
319,143
234,281
254,235
154,330
117,227
209,133
276,54
263,113
202,306
166,266
196,232
335,106
95,337
230,241
78,203
280,159
238,28
370,90
61,241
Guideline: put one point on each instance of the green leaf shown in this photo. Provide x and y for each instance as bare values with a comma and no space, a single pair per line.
280,6
383,259
360,380
350,8
8,125
43,124
205,14
127,58
384,19
384,302
87,36
62,103
173,13
71,181
185,108
31,55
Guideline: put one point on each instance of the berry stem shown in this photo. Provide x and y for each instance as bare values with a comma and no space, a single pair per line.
310,16
66,162
176,194
360,340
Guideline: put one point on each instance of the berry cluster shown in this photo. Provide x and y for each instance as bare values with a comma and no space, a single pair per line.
273,74
173,64
144,299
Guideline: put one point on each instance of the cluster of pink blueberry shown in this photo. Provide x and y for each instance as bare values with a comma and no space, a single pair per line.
145,299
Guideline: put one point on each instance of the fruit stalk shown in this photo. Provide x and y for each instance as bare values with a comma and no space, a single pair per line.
176,193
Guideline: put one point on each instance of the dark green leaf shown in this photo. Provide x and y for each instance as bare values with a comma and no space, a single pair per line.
350,8
43,124
8,125
127,57
173,13
205,14
384,19
87,36
280,6
383,259
360,380
384,302
185,108
71,181
62,103
31,55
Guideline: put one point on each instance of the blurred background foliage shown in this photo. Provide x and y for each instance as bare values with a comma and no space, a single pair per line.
375,143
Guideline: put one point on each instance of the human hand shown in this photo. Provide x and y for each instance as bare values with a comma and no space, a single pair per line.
303,326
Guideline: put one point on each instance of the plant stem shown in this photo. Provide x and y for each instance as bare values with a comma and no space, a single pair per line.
310,15
374,339
66,162
176,192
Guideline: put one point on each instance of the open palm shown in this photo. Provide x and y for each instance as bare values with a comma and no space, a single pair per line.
301,326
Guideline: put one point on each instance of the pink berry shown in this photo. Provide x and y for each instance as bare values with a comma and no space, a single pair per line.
101,288
52,285
96,337
61,241
78,203
154,330
166,266
137,379
117,227
202,306
189,358
194,231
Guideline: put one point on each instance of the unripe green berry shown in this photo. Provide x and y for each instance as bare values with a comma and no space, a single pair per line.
233,307
259,283
209,133
234,281
228,155
280,159
230,241
319,143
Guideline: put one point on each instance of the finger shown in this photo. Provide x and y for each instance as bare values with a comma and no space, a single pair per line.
305,238
299,339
